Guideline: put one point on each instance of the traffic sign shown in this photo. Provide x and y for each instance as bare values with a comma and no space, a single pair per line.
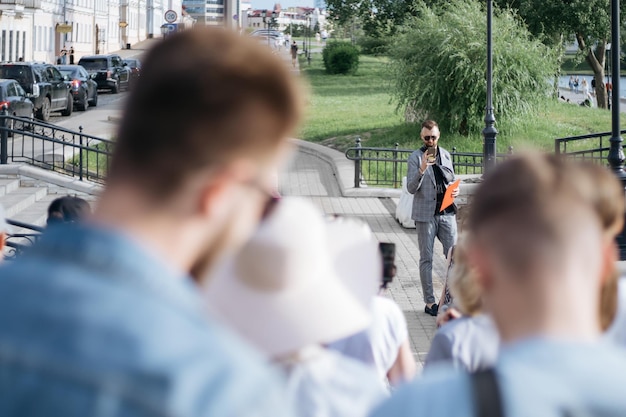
171,16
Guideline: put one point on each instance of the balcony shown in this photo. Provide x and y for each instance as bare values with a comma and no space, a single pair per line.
32,4
12,2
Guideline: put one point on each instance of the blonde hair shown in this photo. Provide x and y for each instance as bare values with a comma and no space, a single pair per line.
466,292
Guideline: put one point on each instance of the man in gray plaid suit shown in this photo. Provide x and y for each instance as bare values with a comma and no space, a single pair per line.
427,178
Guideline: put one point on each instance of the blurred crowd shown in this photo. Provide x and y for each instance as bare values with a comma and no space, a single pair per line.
194,289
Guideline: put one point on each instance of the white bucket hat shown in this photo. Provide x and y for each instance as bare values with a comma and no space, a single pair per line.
299,281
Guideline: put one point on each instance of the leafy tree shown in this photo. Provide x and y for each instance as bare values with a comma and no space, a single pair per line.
587,21
439,63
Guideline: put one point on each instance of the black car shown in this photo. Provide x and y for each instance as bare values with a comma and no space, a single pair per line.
83,88
43,84
13,96
109,71
135,69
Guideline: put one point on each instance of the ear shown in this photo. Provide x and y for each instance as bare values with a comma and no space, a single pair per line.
483,269
218,184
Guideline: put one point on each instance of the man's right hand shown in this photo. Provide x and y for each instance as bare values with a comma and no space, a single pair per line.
425,163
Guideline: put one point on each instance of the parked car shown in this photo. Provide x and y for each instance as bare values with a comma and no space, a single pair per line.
44,86
83,88
135,69
13,96
109,71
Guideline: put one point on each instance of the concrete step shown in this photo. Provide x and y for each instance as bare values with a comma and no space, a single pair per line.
37,213
20,199
8,184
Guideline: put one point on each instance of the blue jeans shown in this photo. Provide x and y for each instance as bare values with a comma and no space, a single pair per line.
444,228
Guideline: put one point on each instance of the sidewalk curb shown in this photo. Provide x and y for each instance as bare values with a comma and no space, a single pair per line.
343,170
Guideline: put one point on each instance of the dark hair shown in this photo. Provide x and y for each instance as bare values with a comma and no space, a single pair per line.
429,124
67,209
206,96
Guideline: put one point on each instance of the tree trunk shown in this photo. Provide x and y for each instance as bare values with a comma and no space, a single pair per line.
596,61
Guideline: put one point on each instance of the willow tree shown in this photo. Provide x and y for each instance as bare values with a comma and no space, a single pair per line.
439,65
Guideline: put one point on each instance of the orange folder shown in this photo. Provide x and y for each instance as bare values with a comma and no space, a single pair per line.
447,197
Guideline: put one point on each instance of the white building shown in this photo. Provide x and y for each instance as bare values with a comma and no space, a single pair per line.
297,16
39,29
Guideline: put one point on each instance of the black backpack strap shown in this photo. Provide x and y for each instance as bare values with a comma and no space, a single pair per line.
487,396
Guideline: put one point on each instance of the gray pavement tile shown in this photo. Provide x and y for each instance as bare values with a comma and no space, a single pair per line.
311,177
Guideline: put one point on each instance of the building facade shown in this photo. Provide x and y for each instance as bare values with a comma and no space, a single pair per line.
39,29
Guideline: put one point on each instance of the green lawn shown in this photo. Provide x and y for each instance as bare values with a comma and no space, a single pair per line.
344,107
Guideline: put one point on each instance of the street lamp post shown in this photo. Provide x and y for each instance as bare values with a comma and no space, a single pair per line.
489,132
616,153
308,56
265,27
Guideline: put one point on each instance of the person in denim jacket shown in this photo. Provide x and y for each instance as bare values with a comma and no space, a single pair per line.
104,317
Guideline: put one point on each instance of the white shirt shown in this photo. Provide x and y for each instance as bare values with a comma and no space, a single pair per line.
324,383
378,345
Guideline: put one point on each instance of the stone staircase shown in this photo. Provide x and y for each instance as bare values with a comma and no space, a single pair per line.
26,192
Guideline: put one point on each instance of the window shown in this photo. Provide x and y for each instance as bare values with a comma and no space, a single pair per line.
10,45
24,45
17,45
11,90
20,90
3,41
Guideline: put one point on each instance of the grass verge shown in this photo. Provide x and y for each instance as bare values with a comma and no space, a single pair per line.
342,107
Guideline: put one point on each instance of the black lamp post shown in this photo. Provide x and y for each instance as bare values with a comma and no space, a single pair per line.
308,56
489,132
616,153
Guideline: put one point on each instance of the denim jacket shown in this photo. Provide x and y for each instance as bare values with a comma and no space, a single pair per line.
93,325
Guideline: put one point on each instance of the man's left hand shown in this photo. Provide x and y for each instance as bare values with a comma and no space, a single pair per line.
456,192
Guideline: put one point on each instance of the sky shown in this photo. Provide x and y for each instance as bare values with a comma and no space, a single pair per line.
269,4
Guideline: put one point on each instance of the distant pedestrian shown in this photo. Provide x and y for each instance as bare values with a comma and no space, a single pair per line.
576,85
64,56
585,87
593,86
429,174
294,53
71,55
571,83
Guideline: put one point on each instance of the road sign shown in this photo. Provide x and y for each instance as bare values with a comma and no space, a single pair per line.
171,16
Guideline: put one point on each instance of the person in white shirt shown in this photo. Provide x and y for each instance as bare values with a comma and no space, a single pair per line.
297,285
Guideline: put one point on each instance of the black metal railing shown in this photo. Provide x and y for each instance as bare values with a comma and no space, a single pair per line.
55,148
22,236
387,166
593,147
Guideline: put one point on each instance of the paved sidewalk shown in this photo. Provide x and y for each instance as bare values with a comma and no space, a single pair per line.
312,177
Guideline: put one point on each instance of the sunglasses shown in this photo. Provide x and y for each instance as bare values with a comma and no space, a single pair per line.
429,138
271,199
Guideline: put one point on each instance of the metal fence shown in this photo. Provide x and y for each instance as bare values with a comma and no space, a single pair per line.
387,166
23,236
55,148
594,147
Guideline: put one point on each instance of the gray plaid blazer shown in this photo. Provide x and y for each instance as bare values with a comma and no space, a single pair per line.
423,186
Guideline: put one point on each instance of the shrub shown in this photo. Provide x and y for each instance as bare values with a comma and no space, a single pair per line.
373,46
439,65
340,58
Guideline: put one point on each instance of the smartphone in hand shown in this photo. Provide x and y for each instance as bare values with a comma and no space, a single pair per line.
431,154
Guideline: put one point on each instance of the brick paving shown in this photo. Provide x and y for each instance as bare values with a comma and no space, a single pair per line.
312,177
